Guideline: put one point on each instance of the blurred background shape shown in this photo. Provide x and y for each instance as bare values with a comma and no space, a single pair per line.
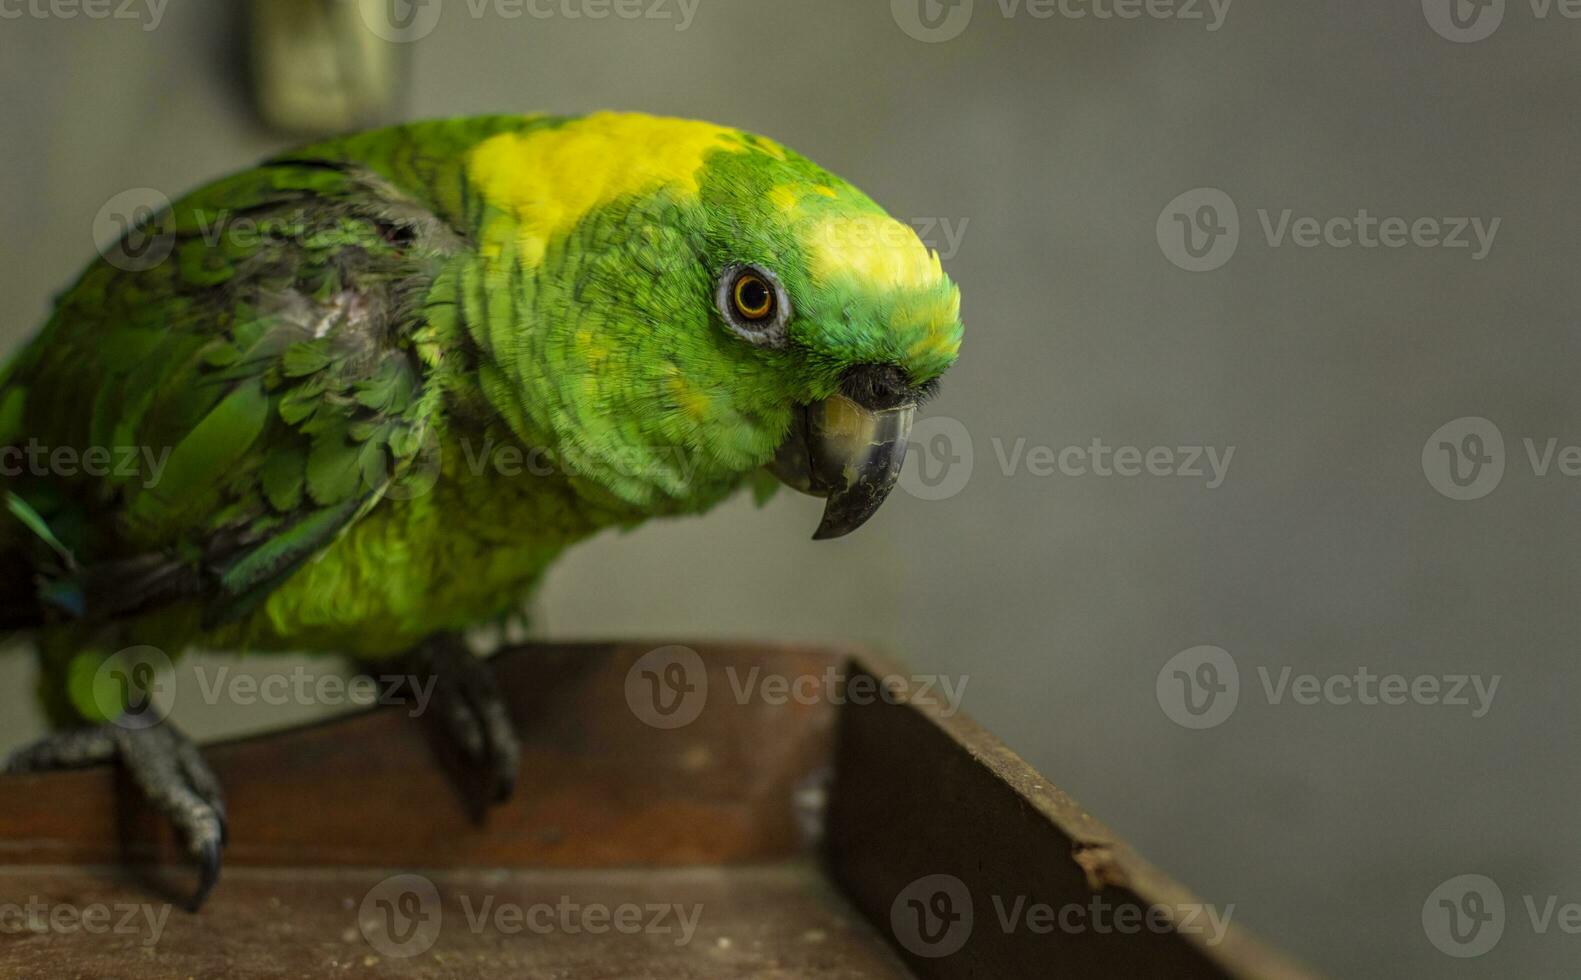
318,69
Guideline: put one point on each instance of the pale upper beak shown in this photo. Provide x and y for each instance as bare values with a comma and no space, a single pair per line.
846,453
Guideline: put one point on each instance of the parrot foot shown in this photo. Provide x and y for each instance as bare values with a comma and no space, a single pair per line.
472,714
168,770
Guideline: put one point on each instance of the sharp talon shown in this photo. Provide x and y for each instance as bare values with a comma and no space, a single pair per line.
209,862
169,772
504,788
505,758
473,716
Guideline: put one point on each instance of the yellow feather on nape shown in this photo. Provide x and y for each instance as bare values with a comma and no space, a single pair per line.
544,182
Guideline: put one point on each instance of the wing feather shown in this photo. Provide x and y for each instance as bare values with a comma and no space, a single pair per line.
266,377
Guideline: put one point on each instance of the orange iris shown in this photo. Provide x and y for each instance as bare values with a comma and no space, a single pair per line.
754,298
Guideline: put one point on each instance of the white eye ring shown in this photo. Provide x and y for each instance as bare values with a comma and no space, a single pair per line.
766,330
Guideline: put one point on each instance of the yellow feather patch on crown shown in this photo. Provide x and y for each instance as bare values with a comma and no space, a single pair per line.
543,182
876,249
878,254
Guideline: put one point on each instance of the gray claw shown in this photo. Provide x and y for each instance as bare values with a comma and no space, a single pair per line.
209,862
166,767
472,714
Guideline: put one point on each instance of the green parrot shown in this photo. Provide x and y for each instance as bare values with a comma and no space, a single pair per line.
356,401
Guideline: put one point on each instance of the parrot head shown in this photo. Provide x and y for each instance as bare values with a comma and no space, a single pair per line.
724,305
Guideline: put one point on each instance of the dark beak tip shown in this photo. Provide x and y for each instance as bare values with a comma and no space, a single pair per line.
827,532
845,511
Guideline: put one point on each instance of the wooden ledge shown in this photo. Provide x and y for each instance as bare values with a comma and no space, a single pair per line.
598,788
837,837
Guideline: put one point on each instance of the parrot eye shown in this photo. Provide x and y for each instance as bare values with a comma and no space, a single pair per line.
754,304
753,298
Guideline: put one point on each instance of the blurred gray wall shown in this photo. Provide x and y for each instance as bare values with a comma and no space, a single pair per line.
1057,144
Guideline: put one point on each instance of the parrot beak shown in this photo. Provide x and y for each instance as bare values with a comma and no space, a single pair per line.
847,454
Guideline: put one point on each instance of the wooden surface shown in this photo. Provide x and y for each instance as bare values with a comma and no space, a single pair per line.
598,786
780,923
723,812
925,803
